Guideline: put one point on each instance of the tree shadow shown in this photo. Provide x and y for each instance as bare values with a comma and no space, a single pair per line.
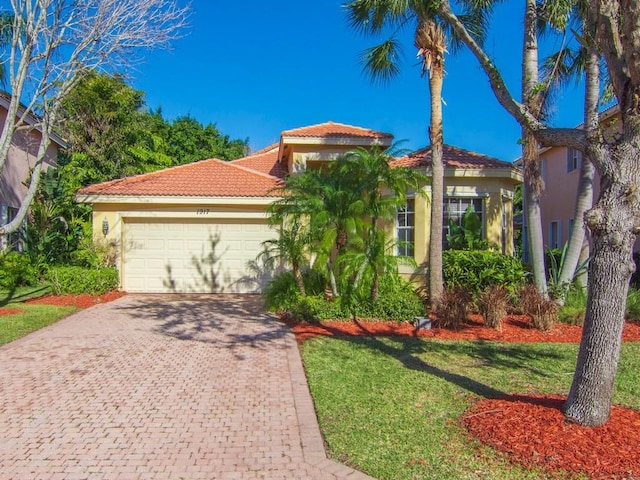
409,351
227,321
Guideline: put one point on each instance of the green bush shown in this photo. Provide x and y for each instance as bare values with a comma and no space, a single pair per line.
633,305
398,302
575,306
16,270
316,308
76,280
281,293
477,270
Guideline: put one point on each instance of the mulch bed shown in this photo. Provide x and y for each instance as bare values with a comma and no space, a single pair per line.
531,429
10,311
83,300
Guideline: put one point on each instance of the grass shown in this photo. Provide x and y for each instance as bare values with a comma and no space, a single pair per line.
21,294
391,406
32,318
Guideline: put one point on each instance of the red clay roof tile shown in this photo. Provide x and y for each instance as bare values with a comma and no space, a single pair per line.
265,161
332,129
207,178
452,157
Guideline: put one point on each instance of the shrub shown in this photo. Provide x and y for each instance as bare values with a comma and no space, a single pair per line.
493,306
543,312
453,307
575,306
76,280
398,302
315,309
16,270
480,269
633,305
281,293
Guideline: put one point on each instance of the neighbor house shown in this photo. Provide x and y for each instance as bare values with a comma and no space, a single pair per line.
197,227
17,168
560,169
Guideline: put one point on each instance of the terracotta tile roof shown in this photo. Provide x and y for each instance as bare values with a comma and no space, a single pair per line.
265,161
452,157
207,178
332,129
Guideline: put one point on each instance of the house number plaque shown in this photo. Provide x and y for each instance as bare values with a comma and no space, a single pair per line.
202,211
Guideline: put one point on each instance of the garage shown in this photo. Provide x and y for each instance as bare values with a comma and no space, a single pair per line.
174,255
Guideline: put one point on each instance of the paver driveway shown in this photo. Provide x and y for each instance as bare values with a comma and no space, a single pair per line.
160,387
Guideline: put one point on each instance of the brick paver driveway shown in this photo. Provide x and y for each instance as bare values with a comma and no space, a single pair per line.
160,387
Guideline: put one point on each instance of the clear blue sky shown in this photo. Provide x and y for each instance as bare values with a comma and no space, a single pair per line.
255,68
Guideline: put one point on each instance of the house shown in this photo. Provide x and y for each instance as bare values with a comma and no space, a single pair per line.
20,160
196,227
560,169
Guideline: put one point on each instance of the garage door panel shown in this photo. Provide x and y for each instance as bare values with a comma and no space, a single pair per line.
170,255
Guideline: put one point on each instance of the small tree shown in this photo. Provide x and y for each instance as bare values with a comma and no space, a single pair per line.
54,44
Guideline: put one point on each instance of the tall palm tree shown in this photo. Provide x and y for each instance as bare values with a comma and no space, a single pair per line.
431,43
381,63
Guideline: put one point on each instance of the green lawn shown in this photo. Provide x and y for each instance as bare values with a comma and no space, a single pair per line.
390,406
32,318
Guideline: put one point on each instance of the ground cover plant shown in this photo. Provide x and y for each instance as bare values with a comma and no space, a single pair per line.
396,407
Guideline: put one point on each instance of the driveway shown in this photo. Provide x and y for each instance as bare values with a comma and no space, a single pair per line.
160,387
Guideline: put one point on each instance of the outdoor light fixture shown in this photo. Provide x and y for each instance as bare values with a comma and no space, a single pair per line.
105,226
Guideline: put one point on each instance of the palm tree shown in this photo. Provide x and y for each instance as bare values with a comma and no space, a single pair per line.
381,64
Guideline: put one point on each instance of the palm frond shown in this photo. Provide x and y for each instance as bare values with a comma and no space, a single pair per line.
372,16
381,62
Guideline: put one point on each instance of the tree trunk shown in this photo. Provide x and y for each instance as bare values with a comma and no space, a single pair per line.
437,183
533,184
297,275
610,269
584,200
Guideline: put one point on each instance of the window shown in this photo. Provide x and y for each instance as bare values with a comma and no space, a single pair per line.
555,235
574,159
454,209
12,240
406,225
570,226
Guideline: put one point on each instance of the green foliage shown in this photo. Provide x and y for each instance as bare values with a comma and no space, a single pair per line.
555,263
316,308
111,134
479,269
469,235
397,301
575,306
281,294
16,270
76,280
633,305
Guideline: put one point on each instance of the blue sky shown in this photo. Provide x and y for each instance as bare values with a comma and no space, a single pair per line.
255,68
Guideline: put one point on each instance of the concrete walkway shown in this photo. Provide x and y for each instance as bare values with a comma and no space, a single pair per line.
160,387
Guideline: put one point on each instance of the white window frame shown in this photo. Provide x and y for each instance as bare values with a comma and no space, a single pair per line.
406,228
574,159
460,213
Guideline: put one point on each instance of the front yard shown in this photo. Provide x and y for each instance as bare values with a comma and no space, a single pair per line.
393,407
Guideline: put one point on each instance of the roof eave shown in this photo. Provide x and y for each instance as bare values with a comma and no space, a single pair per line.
174,199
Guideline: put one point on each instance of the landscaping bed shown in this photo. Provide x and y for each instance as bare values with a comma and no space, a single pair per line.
83,300
524,424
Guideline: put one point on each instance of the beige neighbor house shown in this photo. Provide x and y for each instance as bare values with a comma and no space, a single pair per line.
560,168
197,227
20,160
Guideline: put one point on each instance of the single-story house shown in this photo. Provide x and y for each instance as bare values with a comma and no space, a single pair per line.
198,227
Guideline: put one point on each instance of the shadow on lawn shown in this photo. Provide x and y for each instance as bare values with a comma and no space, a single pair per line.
225,320
408,351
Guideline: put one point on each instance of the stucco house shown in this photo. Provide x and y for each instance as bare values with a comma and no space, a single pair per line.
195,227
560,169
20,160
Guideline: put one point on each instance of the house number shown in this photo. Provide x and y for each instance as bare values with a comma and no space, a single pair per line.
202,211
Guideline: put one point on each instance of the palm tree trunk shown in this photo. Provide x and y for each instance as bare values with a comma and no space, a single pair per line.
297,275
437,183
533,184
584,200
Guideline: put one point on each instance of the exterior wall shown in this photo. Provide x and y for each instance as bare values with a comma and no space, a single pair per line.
497,202
313,156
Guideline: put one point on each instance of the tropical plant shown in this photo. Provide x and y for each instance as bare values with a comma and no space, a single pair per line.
467,236
558,287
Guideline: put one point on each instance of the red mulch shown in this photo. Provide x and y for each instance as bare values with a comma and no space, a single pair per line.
83,300
10,311
531,429
515,328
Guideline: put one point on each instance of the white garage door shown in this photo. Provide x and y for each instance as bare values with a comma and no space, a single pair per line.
183,256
